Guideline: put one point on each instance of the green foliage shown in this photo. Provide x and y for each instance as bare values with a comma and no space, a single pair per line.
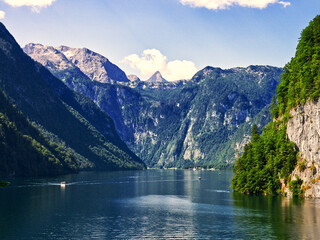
64,116
4,183
196,109
295,187
300,80
302,165
24,151
255,133
265,160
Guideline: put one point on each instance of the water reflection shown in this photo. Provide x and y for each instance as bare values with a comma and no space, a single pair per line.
148,205
282,218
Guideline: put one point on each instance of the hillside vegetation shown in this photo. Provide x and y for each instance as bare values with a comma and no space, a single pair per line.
61,115
271,157
24,151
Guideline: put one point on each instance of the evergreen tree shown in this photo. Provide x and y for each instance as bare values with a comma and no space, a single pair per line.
255,133
271,157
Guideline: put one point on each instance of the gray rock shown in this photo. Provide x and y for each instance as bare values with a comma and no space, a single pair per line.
303,128
82,61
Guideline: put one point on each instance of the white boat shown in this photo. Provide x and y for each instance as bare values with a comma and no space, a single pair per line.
63,184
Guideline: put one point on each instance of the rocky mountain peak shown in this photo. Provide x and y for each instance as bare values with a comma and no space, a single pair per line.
95,66
133,78
29,48
156,77
63,48
91,64
48,56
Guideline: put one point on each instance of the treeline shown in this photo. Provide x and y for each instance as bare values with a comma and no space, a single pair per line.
265,160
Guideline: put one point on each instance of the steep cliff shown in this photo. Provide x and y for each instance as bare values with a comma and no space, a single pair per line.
303,128
285,159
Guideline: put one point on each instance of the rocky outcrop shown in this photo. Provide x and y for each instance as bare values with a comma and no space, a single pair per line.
55,61
303,128
95,66
153,85
133,78
66,62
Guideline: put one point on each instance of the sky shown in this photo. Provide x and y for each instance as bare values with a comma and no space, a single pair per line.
176,37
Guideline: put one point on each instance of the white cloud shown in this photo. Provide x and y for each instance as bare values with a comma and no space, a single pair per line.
35,5
285,4
2,14
153,60
224,4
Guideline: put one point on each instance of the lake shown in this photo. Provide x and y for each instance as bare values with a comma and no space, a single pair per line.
153,204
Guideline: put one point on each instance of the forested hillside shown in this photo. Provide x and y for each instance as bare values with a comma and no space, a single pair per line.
271,163
24,151
63,116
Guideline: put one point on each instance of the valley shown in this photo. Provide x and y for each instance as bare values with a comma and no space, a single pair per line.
201,121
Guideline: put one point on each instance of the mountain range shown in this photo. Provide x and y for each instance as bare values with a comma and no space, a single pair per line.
63,117
204,121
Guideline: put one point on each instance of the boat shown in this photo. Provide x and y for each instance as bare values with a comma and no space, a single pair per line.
199,178
63,184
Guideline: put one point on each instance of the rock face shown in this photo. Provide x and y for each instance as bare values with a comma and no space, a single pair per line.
48,56
81,61
137,84
55,61
133,78
304,130
95,66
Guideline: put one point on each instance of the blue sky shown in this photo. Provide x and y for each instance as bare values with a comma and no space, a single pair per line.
177,37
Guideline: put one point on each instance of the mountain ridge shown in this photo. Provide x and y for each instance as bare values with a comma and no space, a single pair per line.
167,123
91,65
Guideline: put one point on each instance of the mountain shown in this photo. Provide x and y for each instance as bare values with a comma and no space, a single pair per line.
81,61
285,158
25,151
154,85
176,124
55,61
133,78
62,115
156,78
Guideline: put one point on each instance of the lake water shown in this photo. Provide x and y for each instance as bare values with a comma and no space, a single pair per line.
153,204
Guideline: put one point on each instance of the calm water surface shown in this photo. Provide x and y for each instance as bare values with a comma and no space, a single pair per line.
154,204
